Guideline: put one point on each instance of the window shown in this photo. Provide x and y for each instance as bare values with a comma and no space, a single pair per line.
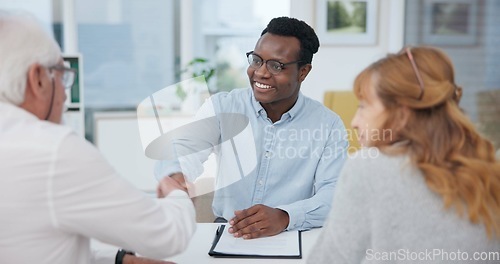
224,30
467,30
128,50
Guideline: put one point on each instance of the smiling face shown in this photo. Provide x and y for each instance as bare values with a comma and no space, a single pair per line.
277,93
370,116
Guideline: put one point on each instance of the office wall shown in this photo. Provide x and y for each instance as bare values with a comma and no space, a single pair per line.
117,137
335,67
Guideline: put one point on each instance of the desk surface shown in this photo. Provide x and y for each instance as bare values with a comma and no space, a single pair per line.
197,251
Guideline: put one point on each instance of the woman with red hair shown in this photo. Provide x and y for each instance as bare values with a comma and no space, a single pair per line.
426,185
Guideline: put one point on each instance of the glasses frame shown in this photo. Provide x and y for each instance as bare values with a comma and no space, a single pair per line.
69,75
416,71
272,71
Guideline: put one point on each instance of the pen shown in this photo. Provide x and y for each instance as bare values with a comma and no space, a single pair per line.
218,233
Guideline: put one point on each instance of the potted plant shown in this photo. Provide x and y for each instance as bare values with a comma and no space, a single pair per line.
190,92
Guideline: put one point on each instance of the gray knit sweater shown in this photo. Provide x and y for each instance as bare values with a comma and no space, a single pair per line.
383,212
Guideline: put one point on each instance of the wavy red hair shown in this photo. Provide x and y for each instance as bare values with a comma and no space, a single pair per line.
458,163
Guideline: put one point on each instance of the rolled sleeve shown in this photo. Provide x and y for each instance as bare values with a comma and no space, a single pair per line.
166,167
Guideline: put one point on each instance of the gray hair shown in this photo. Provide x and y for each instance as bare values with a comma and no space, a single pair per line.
23,42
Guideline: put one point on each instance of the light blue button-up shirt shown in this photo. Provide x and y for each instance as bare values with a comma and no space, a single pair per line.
296,165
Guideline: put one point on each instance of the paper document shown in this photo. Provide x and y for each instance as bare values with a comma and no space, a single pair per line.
286,245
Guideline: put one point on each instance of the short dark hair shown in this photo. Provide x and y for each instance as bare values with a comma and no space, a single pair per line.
287,26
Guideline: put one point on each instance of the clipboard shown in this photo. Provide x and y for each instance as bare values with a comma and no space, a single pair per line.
249,253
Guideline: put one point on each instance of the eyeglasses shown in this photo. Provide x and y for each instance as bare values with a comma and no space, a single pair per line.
69,74
415,69
273,66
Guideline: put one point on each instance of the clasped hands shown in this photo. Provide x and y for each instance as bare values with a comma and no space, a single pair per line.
254,222
174,182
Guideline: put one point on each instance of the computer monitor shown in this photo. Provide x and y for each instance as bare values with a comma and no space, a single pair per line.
75,95
75,114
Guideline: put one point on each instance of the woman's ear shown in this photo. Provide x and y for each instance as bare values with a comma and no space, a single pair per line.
403,114
458,94
304,71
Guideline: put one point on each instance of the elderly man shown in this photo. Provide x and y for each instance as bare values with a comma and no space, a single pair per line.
56,190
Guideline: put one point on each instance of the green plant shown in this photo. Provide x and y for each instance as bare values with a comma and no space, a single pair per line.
200,66
197,67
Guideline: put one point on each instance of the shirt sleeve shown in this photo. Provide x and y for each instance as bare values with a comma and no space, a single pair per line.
87,197
312,212
347,232
191,144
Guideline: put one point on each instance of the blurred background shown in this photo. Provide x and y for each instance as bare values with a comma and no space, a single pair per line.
129,49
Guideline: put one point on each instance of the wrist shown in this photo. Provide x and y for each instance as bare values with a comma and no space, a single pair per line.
176,174
130,259
286,219
120,255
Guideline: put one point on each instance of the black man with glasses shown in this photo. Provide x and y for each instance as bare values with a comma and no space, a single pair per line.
300,145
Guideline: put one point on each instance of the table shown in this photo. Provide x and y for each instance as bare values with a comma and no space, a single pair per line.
197,251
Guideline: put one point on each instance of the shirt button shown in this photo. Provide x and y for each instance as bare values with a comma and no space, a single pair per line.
268,154
260,182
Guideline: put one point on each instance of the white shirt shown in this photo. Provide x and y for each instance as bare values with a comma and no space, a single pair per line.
57,191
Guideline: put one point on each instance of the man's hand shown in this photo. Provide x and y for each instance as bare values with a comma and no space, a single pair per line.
131,259
179,177
258,221
175,181
168,184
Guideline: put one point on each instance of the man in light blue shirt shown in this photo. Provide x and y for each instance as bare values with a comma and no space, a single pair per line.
286,173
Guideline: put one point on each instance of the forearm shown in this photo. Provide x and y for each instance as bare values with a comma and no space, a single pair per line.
131,259
182,224
91,200
117,214
166,168
311,212
190,166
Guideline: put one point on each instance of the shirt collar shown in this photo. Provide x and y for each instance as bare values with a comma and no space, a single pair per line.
256,105
296,108
9,109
